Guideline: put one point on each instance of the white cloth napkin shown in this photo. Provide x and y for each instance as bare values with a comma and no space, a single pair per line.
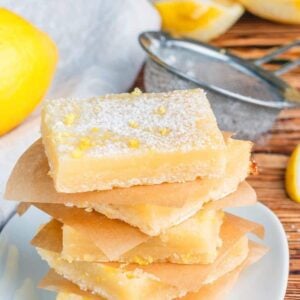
99,53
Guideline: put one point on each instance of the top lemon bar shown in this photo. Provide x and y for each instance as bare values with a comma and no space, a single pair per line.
131,139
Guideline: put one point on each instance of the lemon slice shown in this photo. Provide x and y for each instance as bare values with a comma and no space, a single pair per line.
292,176
284,11
198,19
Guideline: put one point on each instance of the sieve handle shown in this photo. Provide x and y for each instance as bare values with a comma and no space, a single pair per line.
286,67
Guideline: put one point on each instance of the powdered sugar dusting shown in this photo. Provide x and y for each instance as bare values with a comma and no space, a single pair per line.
164,122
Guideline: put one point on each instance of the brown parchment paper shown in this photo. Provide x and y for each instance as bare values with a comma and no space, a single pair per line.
113,237
221,287
213,291
54,230
243,196
180,276
30,182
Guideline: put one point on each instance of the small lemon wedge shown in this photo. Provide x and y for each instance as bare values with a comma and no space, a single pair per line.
284,11
292,175
198,19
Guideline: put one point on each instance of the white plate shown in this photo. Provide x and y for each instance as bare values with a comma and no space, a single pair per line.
21,268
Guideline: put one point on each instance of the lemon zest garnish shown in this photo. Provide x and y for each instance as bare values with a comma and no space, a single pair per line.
133,143
142,260
95,129
130,275
69,119
133,124
161,110
164,131
84,143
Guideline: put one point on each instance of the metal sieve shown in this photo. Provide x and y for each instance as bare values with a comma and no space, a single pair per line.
245,97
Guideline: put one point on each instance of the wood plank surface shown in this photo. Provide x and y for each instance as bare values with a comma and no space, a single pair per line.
251,38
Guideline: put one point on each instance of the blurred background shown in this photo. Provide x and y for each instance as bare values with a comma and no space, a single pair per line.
76,48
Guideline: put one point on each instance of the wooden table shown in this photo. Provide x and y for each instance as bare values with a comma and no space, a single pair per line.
252,37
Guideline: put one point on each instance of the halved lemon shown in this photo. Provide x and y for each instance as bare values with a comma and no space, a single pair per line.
284,11
292,175
198,19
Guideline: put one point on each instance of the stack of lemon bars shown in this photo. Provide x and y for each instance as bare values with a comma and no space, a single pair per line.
136,185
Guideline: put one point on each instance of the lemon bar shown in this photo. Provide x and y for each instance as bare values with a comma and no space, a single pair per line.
216,290
154,219
200,232
117,281
79,246
29,182
111,281
131,139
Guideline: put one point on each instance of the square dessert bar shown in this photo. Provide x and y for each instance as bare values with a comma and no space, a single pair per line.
133,282
111,281
131,139
200,232
154,219
218,289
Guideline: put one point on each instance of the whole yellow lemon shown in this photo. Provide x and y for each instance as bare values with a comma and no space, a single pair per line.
28,59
